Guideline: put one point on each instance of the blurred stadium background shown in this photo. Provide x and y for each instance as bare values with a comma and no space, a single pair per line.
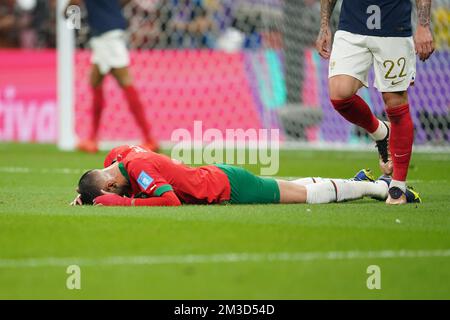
230,63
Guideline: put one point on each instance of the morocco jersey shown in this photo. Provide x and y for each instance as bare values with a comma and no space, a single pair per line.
151,174
395,17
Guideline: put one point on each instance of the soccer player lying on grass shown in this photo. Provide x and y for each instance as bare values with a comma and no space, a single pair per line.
137,177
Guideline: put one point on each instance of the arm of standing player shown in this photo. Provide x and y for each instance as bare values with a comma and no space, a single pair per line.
323,43
423,38
166,199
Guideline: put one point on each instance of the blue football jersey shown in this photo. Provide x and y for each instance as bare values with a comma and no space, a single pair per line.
104,16
383,18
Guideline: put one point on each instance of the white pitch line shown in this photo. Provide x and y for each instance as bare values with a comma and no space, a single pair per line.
221,258
41,170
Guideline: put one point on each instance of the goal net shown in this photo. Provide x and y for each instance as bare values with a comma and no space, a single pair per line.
242,64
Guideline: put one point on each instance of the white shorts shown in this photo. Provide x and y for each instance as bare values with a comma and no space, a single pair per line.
109,51
393,58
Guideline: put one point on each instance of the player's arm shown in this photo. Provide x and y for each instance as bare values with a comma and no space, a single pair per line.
167,199
423,38
150,183
323,43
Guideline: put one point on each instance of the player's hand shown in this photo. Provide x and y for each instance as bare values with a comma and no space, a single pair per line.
111,199
423,41
77,201
323,43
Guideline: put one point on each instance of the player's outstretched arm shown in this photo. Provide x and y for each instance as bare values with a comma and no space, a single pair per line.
167,199
423,38
323,43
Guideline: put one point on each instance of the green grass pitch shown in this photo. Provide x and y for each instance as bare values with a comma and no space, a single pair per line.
147,252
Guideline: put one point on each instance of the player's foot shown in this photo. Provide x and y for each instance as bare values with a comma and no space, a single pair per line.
364,175
383,150
386,180
396,196
151,144
412,196
89,146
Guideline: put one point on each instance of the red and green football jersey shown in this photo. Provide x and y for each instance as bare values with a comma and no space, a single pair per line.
151,174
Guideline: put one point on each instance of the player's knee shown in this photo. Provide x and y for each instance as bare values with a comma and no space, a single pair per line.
291,192
341,98
124,81
394,99
96,80
122,77
342,88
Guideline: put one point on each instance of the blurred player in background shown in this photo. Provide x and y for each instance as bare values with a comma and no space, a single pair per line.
110,55
379,33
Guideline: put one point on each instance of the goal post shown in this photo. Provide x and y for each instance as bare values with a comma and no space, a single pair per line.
65,78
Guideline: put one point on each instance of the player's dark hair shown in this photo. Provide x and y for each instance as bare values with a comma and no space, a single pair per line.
88,187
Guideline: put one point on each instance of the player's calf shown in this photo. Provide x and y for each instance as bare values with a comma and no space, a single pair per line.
356,111
401,141
343,86
338,190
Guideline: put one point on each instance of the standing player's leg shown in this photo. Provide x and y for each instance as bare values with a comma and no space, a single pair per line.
124,79
350,62
401,142
96,80
395,69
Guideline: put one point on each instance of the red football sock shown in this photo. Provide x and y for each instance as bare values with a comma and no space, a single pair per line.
97,108
356,110
137,109
401,140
